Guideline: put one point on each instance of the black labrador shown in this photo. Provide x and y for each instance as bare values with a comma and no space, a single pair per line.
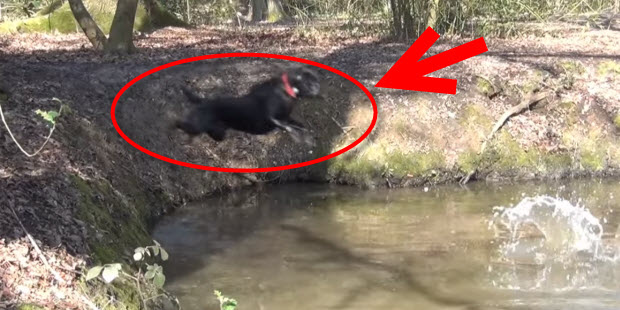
266,107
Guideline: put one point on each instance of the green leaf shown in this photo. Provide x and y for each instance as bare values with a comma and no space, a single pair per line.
155,250
164,254
109,273
159,280
116,266
93,272
156,243
149,274
49,116
226,303
229,304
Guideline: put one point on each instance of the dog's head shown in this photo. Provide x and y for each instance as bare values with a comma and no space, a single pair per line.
304,82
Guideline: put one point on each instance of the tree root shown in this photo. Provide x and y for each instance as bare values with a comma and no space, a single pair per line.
527,101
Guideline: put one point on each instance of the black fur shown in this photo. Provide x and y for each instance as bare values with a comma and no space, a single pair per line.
266,107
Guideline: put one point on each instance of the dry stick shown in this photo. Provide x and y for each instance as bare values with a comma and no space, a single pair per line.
18,145
37,249
529,99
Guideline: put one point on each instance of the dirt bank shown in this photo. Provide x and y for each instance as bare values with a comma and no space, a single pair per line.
90,197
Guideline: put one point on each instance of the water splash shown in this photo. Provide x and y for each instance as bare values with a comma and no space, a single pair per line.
549,243
545,226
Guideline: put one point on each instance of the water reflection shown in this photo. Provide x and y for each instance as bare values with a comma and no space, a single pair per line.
326,247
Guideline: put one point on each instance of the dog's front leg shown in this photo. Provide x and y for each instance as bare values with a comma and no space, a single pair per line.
294,134
296,124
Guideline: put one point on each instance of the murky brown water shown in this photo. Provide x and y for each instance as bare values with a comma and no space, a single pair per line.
326,247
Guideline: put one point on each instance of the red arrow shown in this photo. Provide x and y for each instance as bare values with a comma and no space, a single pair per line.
408,73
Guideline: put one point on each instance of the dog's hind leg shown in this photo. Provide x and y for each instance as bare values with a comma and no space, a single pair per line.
217,133
191,95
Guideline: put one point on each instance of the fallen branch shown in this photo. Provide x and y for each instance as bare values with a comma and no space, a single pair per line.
17,143
527,101
37,249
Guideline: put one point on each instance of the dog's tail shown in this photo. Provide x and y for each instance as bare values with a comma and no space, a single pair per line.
193,97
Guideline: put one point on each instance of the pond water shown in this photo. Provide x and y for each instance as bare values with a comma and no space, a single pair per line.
526,246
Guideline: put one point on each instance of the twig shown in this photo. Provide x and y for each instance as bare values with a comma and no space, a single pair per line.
525,104
156,296
17,143
529,99
37,249
89,303
139,290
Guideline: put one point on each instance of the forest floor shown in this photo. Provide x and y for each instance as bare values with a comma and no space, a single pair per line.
86,168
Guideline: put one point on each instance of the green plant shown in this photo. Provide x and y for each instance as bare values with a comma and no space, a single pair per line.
154,272
226,303
152,279
49,116
108,272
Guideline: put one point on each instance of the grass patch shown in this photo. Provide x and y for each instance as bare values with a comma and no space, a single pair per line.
608,67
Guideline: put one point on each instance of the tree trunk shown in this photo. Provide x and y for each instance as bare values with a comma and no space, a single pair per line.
88,25
275,11
258,10
121,31
160,17
432,15
396,27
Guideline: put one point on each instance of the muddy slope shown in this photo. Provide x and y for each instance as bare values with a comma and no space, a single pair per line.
90,197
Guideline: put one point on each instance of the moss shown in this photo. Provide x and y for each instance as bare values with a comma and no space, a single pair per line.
511,156
593,160
534,82
275,16
617,121
484,86
468,161
124,293
62,20
29,307
473,115
571,109
356,170
376,161
556,162
122,224
572,67
416,164
607,67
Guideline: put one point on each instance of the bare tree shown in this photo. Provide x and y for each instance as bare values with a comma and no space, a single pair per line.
88,25
259,9
275,11
121,31
271,10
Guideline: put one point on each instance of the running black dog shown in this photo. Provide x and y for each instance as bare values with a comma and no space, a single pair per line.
266,107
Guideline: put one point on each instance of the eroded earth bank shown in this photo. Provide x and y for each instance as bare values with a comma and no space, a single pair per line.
91,198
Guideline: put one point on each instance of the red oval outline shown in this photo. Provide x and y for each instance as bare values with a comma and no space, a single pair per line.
239,55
